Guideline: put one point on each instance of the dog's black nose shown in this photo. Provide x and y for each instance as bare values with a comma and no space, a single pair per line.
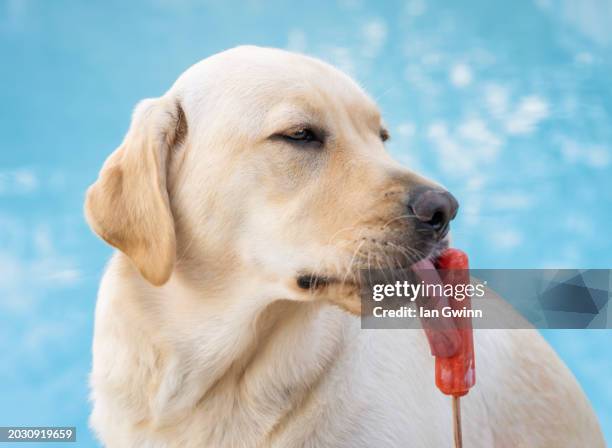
433,207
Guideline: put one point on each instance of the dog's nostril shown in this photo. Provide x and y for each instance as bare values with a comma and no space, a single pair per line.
437,221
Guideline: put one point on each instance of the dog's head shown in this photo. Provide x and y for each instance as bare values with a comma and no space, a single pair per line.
265,165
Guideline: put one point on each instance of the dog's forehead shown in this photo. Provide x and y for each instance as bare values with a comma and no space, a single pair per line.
255,76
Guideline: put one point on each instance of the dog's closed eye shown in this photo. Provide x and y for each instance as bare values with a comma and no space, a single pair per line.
302,136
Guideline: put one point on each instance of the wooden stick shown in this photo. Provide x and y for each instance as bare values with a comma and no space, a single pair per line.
457,422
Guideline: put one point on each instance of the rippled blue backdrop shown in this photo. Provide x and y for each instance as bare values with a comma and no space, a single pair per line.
508,104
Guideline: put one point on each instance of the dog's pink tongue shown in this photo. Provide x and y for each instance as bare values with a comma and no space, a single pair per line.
444,339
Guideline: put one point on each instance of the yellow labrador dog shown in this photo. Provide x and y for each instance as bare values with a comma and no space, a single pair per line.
243,202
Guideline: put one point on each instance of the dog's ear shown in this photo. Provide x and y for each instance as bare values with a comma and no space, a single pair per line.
128,205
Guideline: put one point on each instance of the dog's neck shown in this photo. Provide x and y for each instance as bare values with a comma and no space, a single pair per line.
209,348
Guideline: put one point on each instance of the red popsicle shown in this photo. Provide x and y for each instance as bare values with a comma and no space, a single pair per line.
456,375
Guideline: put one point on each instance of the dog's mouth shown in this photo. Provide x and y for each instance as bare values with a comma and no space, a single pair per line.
354,293
364,277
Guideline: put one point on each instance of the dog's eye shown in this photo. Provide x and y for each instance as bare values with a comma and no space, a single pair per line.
384,135
302,135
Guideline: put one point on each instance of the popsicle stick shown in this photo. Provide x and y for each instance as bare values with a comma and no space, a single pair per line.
457,422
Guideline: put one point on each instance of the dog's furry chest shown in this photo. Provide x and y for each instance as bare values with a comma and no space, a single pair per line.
224,390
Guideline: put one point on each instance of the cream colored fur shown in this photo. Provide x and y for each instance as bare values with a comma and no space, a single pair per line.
202,336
